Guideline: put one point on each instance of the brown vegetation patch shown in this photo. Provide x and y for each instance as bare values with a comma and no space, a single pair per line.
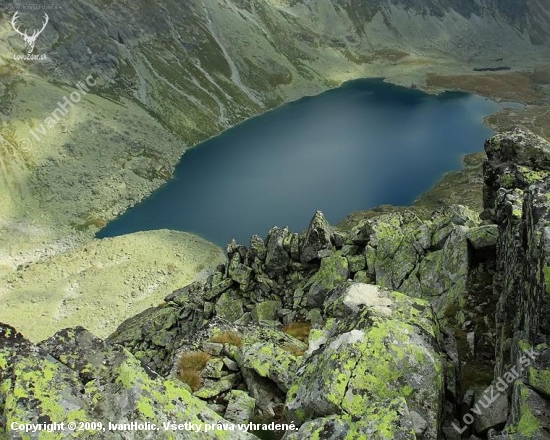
191,378
189,367
195,360
299,330
514,87
228,337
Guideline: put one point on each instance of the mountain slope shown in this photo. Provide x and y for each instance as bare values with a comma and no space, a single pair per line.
170,74
198,67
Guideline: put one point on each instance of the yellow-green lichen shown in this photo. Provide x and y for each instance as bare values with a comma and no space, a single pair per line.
35,378
540,380
531,176
546,275
528,424
3,362
146,407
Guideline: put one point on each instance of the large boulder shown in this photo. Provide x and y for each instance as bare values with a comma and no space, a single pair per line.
153,334
443,275
270,361
516,160
521,147
385,347
386,420
491,409
529,414
395,253
230,306
483,236
240,407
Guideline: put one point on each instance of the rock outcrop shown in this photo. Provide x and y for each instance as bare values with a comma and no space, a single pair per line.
516,197
395,326
77,378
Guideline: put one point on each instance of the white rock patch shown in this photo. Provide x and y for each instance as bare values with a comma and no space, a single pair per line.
367,295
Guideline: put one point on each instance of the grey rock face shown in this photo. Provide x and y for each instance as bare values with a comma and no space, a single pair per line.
240,408
493,410
317,240
277,259
355,365
483,237
516,195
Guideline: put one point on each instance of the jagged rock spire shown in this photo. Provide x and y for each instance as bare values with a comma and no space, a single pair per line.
317,239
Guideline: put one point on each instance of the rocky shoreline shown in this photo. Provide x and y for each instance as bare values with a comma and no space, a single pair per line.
390,327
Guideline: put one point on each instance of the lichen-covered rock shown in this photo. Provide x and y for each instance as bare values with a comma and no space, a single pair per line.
213,369
356,263
457,215
363,277
317,240
76,377
516,197
240,273
385,350
240,407
483,236
270,361
230,306
277,258
334,270
386,420
492,408
266,310
517,159
12,345
258,248
217,289
529,414
351,297
295,247
520,146
159,327
443,275
538,374
396,255
214,387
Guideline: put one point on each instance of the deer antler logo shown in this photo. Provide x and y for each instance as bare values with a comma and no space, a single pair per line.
30,40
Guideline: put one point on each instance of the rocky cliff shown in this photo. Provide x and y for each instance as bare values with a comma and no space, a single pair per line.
388,327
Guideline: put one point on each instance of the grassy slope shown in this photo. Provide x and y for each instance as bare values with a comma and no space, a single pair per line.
101,283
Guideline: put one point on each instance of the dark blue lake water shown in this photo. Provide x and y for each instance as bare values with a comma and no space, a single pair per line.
364,144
